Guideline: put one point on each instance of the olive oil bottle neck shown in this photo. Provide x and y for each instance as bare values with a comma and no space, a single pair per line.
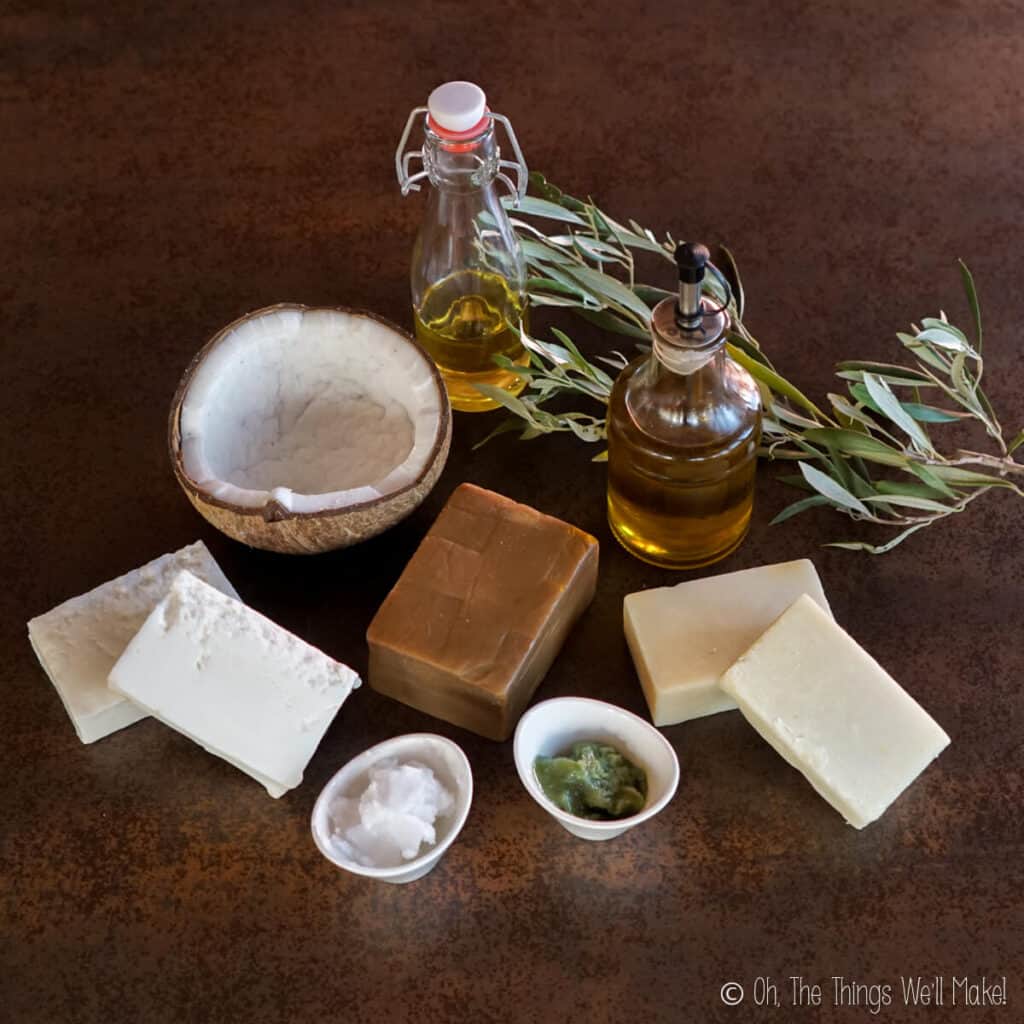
468,166
690,390
683,346
683,361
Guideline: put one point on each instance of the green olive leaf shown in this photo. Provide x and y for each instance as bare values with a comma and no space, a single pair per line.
778,384
930,414
958,374
935,323
782,413
890,371
610,289
799,506
880,549
972,300
896,381
584,431
931,479
547,284
959,477
946,337
842,471
910,488
917,411
650,295
748,347
860,445
595,373
572,285
836,493
889,405
795,480
595,249
927,355
625,237
506,426
534,207
610,322
509,401
852,413
537,253
912,501
731,271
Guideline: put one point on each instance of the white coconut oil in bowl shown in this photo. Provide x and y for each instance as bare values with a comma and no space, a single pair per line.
407,795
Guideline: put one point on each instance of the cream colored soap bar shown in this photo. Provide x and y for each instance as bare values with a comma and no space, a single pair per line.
834,713
78,642
683,638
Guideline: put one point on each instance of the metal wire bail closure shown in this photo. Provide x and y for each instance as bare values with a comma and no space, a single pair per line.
407,182
518,165
410,182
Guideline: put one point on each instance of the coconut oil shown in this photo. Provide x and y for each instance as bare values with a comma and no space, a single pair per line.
464,321
683,428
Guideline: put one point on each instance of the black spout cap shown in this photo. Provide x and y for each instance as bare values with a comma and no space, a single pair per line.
691,258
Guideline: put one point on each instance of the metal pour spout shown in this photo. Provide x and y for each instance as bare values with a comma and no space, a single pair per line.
691,259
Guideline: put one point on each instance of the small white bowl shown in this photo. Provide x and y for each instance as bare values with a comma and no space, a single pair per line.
553,726
448,762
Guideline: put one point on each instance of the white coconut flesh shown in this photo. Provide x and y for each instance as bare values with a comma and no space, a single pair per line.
311,409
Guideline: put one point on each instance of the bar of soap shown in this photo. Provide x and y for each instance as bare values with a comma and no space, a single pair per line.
834,713
233,681
78,642
684,637
481,610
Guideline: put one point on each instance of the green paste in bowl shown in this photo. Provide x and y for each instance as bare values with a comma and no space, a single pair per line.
593,780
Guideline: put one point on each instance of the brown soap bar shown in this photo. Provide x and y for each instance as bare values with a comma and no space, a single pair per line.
481,611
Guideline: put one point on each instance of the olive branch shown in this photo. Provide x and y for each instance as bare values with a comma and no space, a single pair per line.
870,456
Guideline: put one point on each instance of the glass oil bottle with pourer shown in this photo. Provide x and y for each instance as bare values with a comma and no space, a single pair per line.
468,272
683,428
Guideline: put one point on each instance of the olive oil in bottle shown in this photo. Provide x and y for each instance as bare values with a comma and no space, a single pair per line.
468,274
463,322
683,427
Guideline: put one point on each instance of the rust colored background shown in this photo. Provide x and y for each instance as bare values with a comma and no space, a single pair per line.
163,172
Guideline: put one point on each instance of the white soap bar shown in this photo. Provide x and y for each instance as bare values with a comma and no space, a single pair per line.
834,713
683,638
78,642
233,681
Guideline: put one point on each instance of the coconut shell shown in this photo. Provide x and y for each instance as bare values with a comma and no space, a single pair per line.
275,528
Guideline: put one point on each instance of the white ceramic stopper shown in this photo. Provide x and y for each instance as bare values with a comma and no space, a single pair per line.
457,106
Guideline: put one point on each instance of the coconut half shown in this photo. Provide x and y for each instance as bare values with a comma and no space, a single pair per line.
302,430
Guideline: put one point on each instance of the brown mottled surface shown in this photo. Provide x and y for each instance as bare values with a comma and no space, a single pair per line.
163,172
481,611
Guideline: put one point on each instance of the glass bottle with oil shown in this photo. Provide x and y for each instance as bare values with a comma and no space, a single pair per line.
683,428
468,272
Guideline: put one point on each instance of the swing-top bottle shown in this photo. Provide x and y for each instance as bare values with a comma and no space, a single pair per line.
468,275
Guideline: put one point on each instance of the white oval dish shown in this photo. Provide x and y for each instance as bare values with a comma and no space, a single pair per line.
551,727
448,762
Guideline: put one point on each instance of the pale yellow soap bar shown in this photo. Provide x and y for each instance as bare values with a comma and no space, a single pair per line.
834,713
683,638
